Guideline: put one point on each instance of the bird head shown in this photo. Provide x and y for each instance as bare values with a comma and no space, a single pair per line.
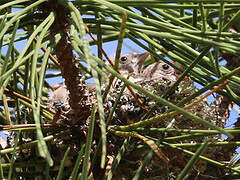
132,62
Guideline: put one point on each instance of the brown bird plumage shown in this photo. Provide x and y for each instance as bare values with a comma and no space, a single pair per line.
133,62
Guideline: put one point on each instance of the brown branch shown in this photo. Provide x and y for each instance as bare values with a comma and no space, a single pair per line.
80,99
216,89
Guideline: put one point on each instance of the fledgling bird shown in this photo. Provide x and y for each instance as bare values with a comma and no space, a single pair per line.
60,94
131,67
156,77
132,62
159,70
59,97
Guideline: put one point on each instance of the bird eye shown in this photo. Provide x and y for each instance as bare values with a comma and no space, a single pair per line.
123,59
165,66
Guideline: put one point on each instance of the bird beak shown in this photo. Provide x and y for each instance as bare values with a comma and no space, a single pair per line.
141,59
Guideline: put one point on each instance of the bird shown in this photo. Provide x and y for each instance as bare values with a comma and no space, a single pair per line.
59,96
159,70
132,62
156,77
131,67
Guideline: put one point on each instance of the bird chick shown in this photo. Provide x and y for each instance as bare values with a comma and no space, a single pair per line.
59,97
133,62
159,70
158,77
